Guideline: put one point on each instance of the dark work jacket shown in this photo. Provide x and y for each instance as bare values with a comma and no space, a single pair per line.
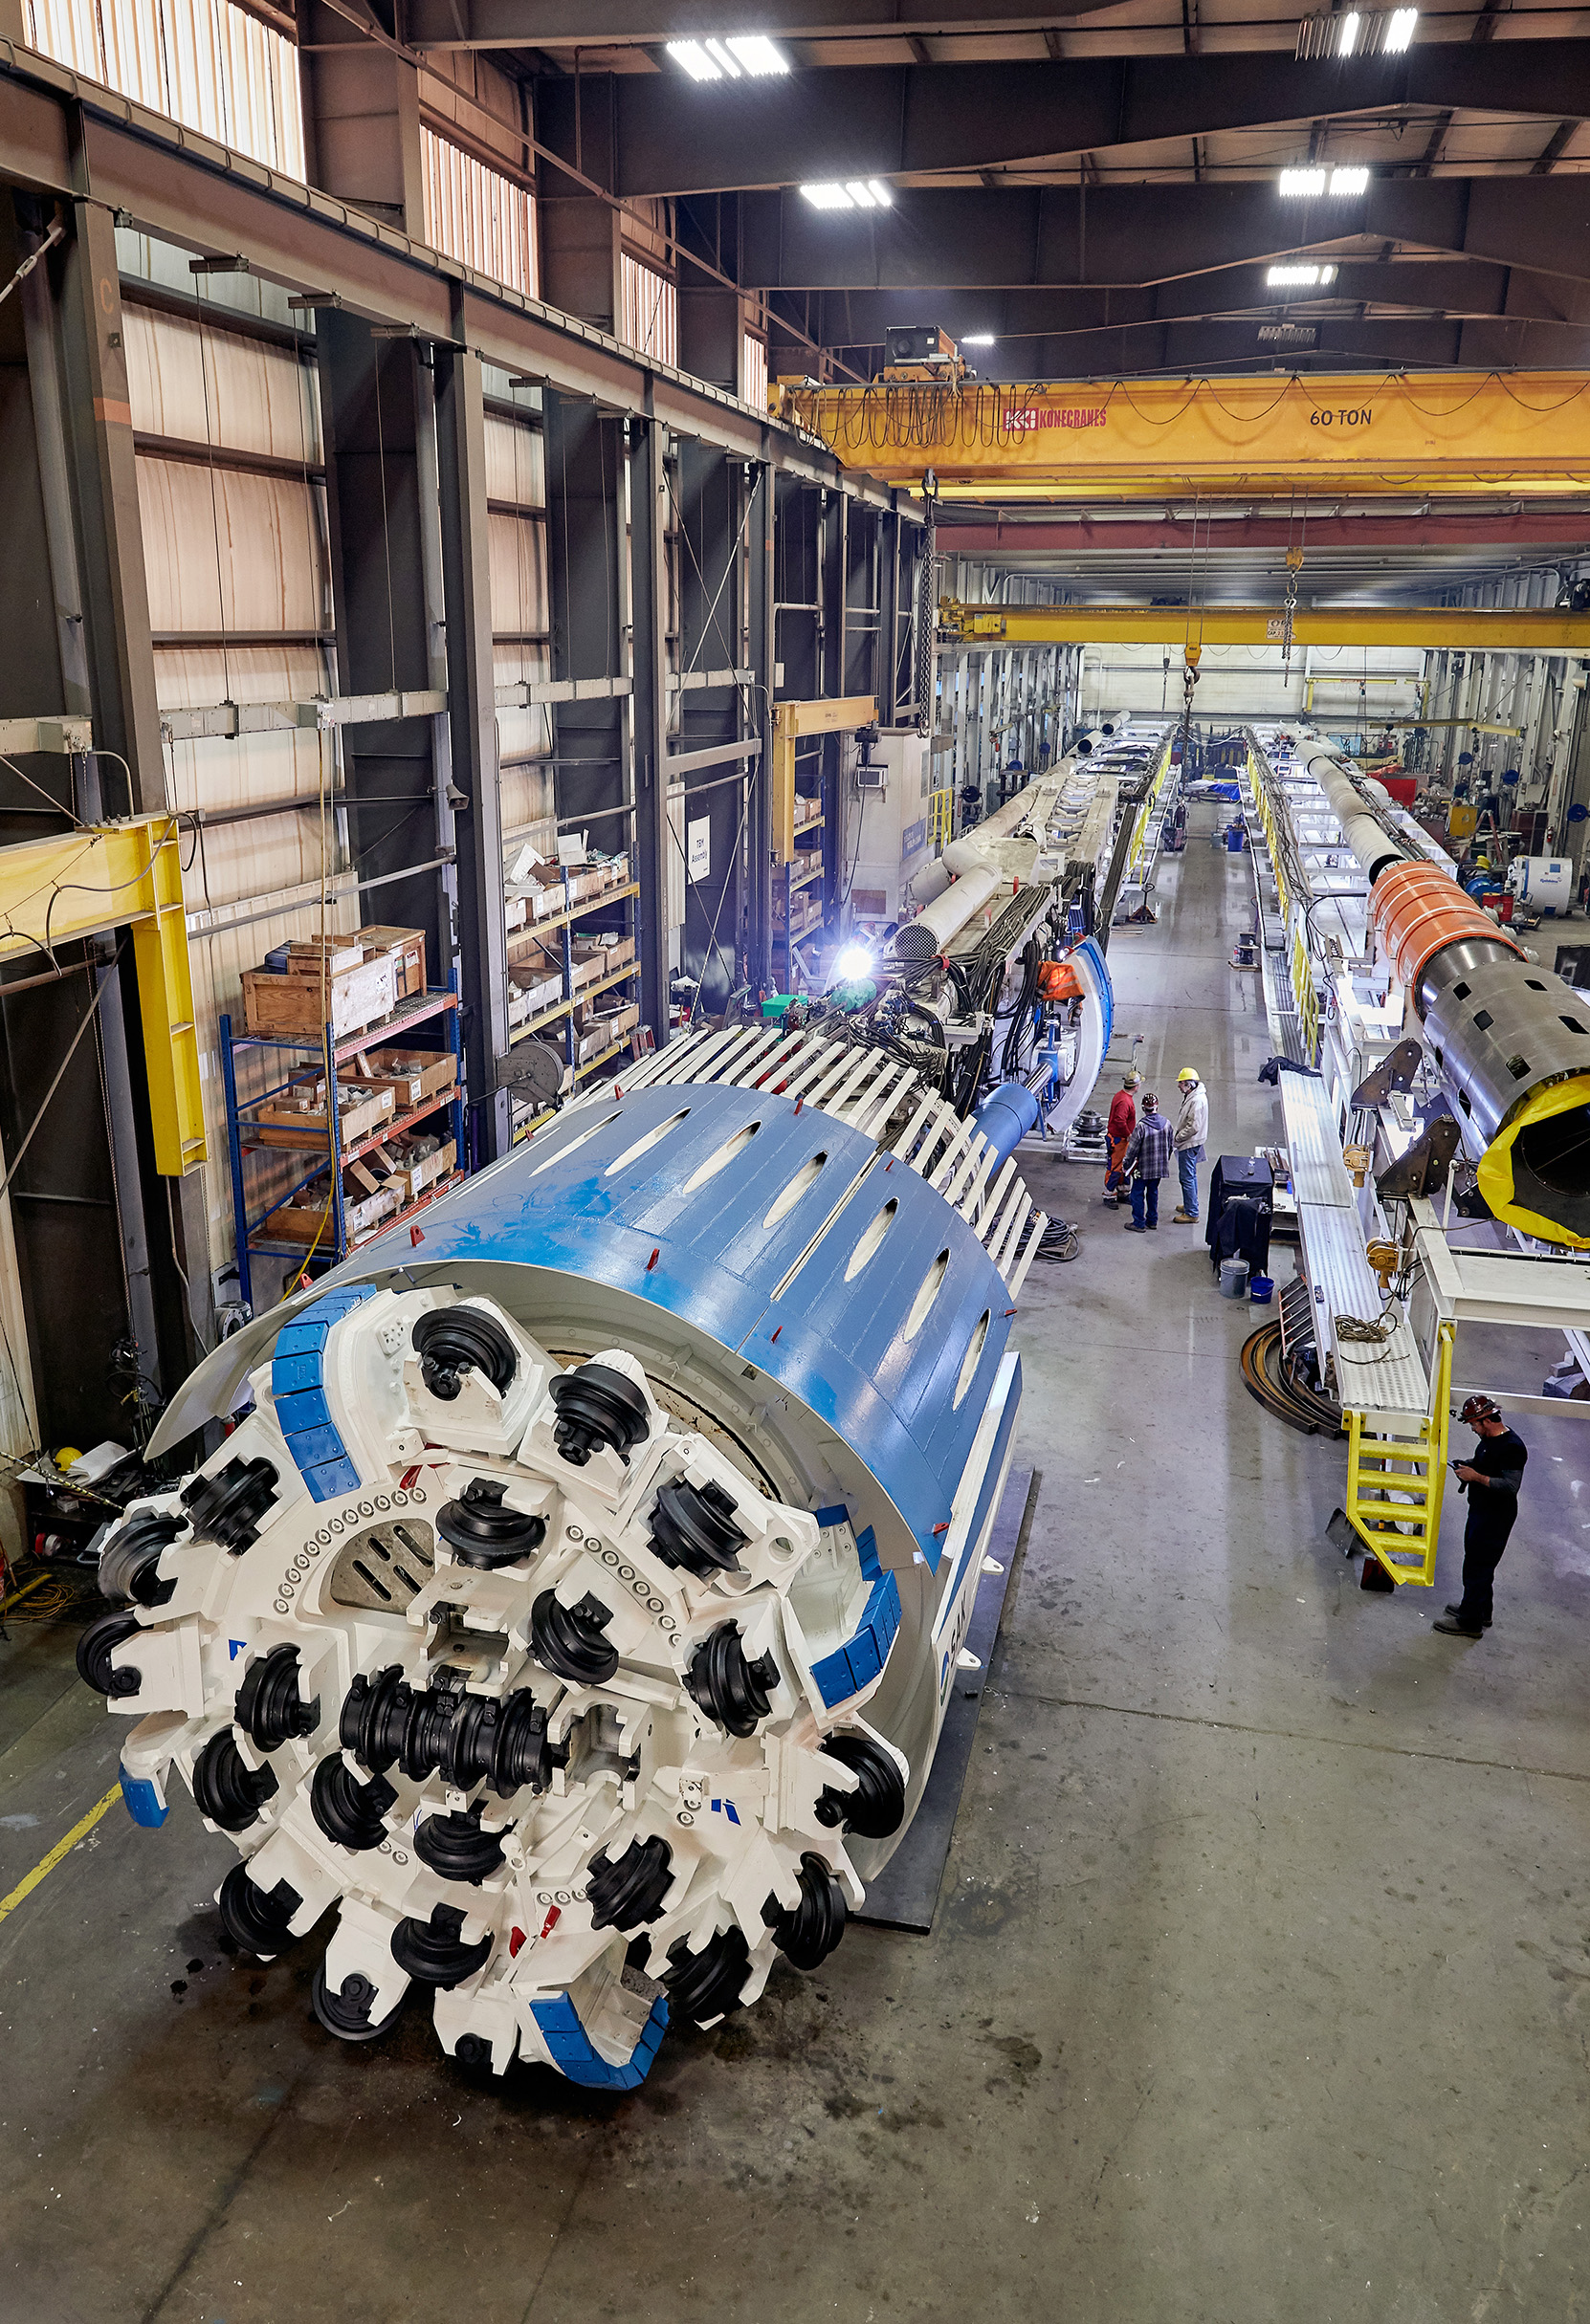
1493,1507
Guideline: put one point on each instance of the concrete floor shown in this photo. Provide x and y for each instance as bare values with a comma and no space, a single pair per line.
1255,1993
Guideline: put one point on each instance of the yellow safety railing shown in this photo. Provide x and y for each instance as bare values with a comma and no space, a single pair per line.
940,817
1307,998
1395,1484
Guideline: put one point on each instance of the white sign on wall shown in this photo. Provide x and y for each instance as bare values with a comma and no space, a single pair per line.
698,849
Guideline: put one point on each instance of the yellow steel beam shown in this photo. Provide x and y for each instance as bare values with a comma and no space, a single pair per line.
1510,630
841,714
1520,432
122,875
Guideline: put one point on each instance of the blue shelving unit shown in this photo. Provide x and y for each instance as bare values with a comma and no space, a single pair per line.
392,1033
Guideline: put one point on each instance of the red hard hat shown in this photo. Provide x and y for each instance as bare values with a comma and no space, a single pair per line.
1480,1408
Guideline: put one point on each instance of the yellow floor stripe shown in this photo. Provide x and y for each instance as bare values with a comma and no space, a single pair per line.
63,1848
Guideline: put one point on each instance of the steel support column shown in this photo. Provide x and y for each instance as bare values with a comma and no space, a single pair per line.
81,352
472,718
758,545
648,601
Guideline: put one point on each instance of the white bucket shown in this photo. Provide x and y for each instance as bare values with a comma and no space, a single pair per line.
1233,1279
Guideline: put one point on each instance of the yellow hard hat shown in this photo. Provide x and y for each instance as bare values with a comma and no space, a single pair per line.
1188,1073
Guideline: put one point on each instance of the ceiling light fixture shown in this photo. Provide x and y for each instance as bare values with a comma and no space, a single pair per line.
1357,32
856,193
1349,180
1298,277
1302,182
747,55
978,339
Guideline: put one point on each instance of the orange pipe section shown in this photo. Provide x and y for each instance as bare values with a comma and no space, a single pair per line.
1419,909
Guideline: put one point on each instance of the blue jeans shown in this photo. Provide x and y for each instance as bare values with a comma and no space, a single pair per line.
1145,1191
1186,1164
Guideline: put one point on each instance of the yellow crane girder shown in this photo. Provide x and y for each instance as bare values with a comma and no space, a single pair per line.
122,875
1319,435
1501,628
839,714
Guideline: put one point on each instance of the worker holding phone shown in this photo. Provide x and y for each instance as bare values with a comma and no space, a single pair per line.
1492,1479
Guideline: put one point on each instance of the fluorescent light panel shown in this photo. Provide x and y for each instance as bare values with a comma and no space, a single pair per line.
747,55
1357,31
978,339
1315,180
856,193
1298,277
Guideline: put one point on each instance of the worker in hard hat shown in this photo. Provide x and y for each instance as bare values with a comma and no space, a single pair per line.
1192,1127
1145,1162
1123,1120
1491,1482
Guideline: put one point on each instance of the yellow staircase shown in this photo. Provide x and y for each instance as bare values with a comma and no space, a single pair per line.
1395,1484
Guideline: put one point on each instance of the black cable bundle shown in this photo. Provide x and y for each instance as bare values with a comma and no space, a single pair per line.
1021,1031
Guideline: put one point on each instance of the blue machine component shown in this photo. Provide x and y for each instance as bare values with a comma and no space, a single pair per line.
573,2053
297,1391
783,1298
144,1804
604,1395
1005,1116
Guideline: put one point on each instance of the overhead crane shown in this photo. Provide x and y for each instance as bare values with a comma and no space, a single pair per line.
1516,629
1454,434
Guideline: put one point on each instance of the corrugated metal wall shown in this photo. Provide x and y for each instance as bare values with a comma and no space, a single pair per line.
755,368
476,215
648,310
200,62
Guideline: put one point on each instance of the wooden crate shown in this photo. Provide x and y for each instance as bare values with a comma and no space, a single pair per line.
412,1178
288,1008
341,950
409,1076
406,949
304,1217
361,1111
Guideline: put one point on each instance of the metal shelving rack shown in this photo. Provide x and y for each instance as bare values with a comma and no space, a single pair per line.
561,1013
793,878
332,1246
563,923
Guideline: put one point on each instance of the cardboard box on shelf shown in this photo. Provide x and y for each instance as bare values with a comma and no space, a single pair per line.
611,953
589,956
601,1026
538,885
407,1076
532,955
531,997
287,1008
405,947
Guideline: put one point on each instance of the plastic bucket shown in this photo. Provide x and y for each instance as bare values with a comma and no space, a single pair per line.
1233,1279
1261,1290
